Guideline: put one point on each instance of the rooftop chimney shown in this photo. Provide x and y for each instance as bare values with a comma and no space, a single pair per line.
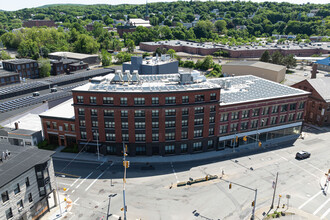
314,71
16,125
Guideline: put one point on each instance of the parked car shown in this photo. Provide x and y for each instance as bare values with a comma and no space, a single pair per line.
35,94
53,90
302,155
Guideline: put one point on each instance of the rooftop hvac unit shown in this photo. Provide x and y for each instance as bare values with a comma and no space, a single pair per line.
126,76
135,76
118,77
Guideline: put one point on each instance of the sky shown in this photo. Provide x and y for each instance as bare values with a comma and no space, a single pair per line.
12,5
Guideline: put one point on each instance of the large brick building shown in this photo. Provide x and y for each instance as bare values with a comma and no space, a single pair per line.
7,77
39,23
26,68
318,104
180,113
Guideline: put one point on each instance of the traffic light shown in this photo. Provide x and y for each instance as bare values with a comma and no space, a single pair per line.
329,171
207,178
229,185
126,163
244,138
259,143
64,189
236,138
252,204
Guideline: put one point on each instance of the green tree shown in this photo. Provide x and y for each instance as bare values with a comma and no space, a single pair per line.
106,58
123,57
277,58
86,44
265,57
207,63
4,55
130,46
220,25
289,61
203,29
172,53
28,48
45,67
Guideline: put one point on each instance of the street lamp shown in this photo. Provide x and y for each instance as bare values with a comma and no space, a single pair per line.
97,144
110,196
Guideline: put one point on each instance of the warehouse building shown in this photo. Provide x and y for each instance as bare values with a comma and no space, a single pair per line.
273,72
26,68
86,58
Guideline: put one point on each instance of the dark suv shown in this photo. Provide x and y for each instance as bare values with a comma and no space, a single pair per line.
302,155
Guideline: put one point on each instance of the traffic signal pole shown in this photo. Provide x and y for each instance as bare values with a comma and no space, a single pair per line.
124,180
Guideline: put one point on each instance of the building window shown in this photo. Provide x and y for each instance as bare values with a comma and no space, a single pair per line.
124,125
80,99
95,135
81,111
299,115
140,125
254,123
284,108
211,131
155,100
245,113
123,101
210,144
73,128
170,100
184,148
83,135
302,105
139,101
169,124
233,127
110,136
140,137
244,125
184,122
198,133
82,123
109,112
184,111
185,99
224,117
199,110
140,150
213,96
139,113
169,149
154,113
124,137
265,110
282,118
111,149
155,137
92,100
170,136
109,124
95,123
273,120
47,124
124,113
94,112
108,100
9,213
198,121
263,122
197,146
20,205
293,106
30,197
212,119
223,129
328,108
212,108
5,196
255,112
234,115
27,182
291,117
199,98
17,189
155,124
170,112
275,109
184,135
54,125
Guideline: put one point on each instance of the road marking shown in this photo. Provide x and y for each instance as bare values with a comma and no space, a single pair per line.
76,200
75,181
317,210
325,214
66,174
73,191
84,180
100,165
98,177
176,177
310,199
63,183
116,216
316,168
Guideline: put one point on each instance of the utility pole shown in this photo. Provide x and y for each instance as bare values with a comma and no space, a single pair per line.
126,165
97,144
272,206
254,203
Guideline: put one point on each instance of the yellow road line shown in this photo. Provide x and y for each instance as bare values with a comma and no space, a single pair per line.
66,174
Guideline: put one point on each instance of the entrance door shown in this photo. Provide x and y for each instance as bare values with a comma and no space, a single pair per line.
155,150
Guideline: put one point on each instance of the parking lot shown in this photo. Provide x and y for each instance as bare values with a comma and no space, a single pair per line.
151,191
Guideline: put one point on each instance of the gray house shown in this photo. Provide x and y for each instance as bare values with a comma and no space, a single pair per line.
20,137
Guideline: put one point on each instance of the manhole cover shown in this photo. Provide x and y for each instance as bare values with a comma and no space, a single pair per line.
96,206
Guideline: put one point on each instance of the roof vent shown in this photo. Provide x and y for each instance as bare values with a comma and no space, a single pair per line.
135,76
126,76
118,77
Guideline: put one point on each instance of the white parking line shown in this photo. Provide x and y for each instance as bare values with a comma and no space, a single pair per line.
177,180
310,199
325,214
84,180
317,210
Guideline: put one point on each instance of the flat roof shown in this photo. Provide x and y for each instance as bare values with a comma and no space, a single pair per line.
325,61
21,159
71,55
18,61
29,121
7,73
64,110
178,43
257,64
22,131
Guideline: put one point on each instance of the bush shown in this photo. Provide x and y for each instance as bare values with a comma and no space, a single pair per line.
45,146
189,64
73,149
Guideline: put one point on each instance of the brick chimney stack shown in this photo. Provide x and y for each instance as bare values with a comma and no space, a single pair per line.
314,71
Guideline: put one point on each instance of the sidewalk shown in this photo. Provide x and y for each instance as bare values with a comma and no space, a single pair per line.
291,213
55,212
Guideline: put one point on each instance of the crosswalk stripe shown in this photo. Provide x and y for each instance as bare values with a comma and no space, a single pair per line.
310,199
317,210
325,214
